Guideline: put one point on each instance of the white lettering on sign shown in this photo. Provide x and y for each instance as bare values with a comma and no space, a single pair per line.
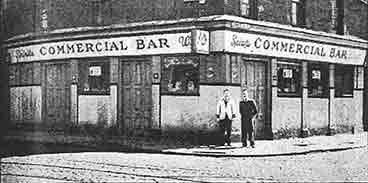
287,73
201,41
247,43
95,71
316,74
122,46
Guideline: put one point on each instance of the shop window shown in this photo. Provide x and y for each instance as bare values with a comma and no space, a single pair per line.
249,8
318,80
289,79
211,69
180,75
297,13
94,78
24,74
344,80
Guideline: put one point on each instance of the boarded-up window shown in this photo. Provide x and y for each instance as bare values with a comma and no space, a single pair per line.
318,80
289,79
180,75
94,77
344,81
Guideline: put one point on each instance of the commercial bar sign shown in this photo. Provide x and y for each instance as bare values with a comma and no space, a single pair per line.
247,43
119,46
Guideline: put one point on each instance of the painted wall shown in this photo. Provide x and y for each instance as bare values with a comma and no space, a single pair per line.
347,113
155,106
100,110
196,112
25,104
315,112
286,112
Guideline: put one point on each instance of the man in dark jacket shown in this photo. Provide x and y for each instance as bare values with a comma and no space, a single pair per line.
248,110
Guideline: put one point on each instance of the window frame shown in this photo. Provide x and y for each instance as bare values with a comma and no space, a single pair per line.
84,76
334,14
166,73
341,68
299,18
340,27
298,88
252,9
324,80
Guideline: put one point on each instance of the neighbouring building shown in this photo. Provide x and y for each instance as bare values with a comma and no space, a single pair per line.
164,64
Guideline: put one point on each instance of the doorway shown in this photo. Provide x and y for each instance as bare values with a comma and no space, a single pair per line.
57,92
254,78
136,93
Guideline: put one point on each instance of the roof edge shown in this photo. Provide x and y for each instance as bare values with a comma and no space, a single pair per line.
158,23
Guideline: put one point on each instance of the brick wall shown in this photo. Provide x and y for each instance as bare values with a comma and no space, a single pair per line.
19,17
356,18
274,11
23,16
318,15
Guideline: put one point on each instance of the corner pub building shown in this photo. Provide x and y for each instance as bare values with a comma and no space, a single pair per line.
169,75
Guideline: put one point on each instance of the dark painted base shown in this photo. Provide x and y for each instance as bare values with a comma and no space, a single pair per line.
296,132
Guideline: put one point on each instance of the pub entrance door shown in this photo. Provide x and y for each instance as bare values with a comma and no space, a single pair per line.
57,92
254,78
136,93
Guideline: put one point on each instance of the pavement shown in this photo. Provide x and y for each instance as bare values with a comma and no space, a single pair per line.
41,142
282,147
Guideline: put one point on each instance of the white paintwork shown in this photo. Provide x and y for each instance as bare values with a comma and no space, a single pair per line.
249,43
119,46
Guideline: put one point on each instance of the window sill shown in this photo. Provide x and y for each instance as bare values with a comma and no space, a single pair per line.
290,95
344,96
179,94
94,93
318,96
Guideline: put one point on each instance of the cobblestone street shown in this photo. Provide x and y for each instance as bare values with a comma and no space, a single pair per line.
350,165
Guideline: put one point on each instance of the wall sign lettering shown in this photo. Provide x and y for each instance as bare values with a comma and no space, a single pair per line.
248,43
121,46
201,41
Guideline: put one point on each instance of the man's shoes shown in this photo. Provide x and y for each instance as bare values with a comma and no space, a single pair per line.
252,146
244,144
229,143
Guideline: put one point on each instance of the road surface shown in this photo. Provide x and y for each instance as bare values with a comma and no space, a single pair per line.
350,165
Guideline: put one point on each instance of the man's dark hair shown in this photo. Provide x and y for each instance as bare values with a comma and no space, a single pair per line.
244,89
226,89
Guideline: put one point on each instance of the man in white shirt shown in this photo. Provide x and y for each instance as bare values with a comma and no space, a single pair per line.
225,114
